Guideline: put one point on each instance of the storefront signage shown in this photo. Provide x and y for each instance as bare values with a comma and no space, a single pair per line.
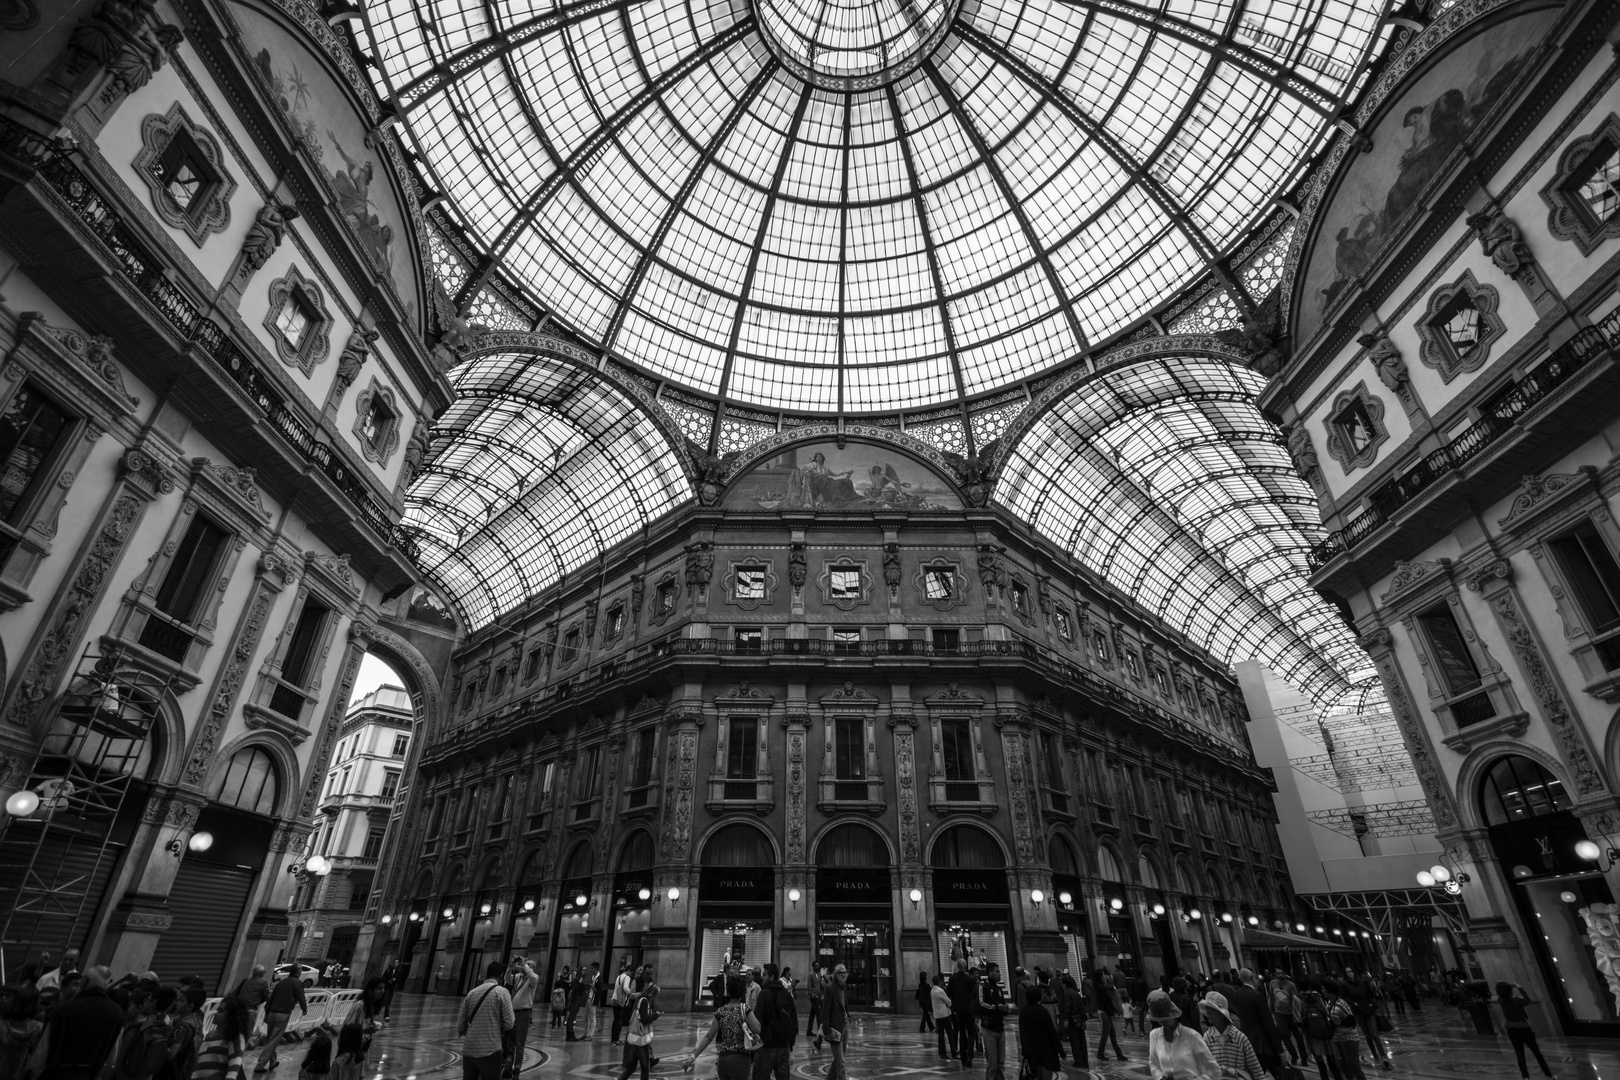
970,887
736,885
849,885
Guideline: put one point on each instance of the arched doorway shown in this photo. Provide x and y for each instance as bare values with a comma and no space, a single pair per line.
212,887
1533,832
631,916
412,957
525,921
736,903
1158,915
1069,902
1121,940
573,919
972,912
486,928
855,913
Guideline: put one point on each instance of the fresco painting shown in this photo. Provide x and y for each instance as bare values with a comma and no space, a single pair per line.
861,476
1418,133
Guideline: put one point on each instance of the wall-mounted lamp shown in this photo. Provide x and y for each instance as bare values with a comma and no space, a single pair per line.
386,920
1441,875
199,842
1195,914
794,896
1339,932
1299,928
318,865
1584,848
1226,916
484,908
582,900
528,905
1116,904
1254,920
1568,897
1319,930
644,894
22,803
1065,898
416,916
1158,911
448,913
915,896
1037,897
1278,924
674,894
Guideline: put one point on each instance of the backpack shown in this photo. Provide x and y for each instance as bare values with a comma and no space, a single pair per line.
1318,1024
1280,1002
778,1020
559,999
645,1011
184,1059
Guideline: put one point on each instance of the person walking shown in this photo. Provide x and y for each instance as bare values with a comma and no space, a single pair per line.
287,993
1317,1024
1283,995
254,991
815,986
1038,1039
993,1009
1249,1007
143,1045
727,1031
776,1022
1516,1022
1176,1051
836,1026
925,1002
1346,1037
486,1016
220,1056
593,980
391,982
619,1000
522,981
1107,1009
559,997
939,1004
963,990
1072,1017
579,997
1230,1048
1363,998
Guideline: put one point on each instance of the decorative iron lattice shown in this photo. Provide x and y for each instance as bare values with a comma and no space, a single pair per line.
448,266
1217,312
695,424
738,435
1410,817
1357,770
1264,272
990,424
947,435
491,309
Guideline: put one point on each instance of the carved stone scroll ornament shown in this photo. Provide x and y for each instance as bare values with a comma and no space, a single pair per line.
1535,489
1306,462
795,796
1386,360
264,236
354,355
226,687
1544,684
1503,242
699,565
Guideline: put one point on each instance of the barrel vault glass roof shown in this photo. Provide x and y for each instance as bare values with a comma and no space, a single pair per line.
861,205
870,207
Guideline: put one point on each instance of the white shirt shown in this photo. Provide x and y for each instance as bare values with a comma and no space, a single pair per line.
941,1002
621,989
1186,1057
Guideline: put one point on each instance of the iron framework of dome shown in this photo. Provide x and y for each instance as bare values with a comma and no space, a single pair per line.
911,211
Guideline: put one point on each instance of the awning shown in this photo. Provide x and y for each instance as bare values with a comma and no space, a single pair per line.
1274,939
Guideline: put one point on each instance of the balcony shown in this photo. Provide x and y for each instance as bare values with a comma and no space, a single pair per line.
730,793
641,800
1576,377
113,267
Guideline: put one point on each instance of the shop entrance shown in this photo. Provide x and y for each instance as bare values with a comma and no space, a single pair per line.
736,905
855,914
972,916
632,905
867,950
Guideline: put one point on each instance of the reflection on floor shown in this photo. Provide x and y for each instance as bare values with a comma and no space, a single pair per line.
420,1044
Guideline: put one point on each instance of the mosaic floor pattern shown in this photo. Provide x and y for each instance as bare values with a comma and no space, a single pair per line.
420,1044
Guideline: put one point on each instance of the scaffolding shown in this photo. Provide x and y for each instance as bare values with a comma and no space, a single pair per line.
56,862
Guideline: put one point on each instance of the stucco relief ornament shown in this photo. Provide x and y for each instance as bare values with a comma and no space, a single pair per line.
1306,462
798,569
455,333
1386,360
124,37
354,355
1603,930
415,454
710,472
699,565
891,569
975,474
265,235
1502,241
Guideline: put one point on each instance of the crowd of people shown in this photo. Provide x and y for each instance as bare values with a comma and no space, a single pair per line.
58,1022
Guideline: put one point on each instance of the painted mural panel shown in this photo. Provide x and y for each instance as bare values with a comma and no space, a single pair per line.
323,115
861,476
1428,120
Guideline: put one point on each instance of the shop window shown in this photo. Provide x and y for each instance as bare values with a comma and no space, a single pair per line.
184,171
961,772
747,639
31,430
1594,578
742,759
390,784
299,324
849,757
1459,326
401,743
1355,427
250,782
846,642
1585,192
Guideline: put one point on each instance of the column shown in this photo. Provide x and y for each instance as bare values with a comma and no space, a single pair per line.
667,945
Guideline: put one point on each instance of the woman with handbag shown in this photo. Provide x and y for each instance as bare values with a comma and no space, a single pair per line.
729,1031
638,1040
354,1034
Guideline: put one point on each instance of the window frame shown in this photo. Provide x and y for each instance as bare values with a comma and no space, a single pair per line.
1571,218
941,565
1436,350
1341,443
768,582
377,397
210,210
860,596
315,343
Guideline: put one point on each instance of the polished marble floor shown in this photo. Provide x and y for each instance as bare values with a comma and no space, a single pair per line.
420,1044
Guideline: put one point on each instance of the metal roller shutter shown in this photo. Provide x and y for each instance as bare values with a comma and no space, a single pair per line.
80,869
206,902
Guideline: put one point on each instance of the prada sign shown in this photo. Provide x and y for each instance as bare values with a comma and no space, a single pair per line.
853,885
736,885
970,887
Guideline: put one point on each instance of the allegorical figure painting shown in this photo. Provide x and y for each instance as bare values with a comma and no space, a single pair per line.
1429,120
820,476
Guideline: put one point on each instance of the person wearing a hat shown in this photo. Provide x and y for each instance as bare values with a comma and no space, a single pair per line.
1229,1047
1176,1051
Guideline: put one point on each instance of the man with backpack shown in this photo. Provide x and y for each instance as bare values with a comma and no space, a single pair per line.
185,1035
1286,1008
778,1026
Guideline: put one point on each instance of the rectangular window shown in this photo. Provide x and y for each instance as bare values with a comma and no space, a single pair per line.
939,584
1451,655
646,747
374,841
501,807
615,622
1460,324
436,821
947,639
747,639
750,583
1599,182
665,597
377,422
540,792
570,645
500,681
849,757
1064,628
1355,424
401,743
294,319
1593,576
742,762
306,637
1133,665
30,430
532,667
183,172
1052,749
586,785
961,776
845,584
1020,599
1099,645
846,641
390,784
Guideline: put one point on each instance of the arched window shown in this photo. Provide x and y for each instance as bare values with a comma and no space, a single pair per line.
579,862
738,845
1184,883
1146,874
1107,865
637,853
1517,788
852,845
1060,853
492,876
534,868
250,782
962,847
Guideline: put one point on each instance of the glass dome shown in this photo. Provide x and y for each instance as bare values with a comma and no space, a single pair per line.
860,206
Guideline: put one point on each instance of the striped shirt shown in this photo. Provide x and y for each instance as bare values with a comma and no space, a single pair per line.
1233,1052
485,1013
219,1059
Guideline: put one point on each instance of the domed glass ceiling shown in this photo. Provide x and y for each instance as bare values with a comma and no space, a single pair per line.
836,205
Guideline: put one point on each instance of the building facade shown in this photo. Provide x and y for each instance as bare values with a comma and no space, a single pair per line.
366,776
214,391
884,738
1452,396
